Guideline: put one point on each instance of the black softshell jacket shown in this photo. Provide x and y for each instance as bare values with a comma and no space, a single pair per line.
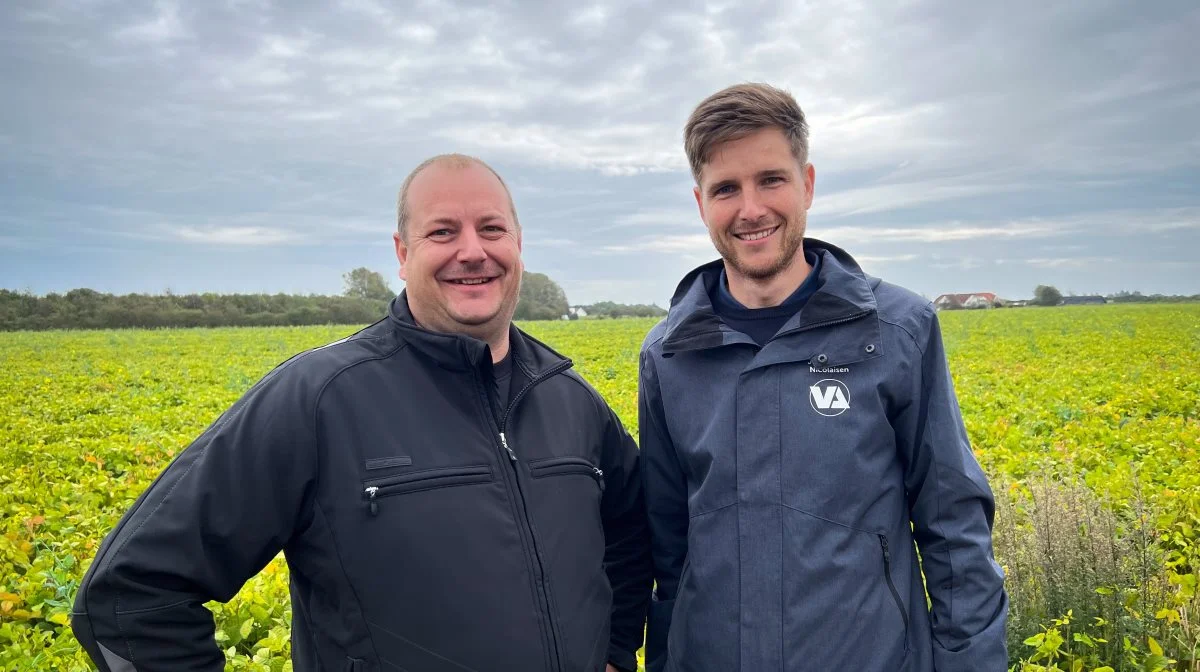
426,527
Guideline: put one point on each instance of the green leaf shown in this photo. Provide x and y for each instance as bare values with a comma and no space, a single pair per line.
1155,648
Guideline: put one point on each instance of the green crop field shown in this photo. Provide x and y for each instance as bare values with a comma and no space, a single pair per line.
1087,420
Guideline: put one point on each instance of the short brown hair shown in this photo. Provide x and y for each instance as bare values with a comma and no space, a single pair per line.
453,161
738,111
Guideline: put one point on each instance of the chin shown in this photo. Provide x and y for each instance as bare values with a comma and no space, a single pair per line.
760,270
475,318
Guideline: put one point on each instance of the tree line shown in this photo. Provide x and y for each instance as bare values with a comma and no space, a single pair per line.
1048,295
364,300
1138,297
613,310
89,309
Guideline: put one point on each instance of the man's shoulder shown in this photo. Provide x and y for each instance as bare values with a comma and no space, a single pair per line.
575,394
588,392
654,337
297,384
319,365
545,356
902,308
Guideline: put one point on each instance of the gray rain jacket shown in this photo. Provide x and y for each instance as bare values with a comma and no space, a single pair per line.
781,482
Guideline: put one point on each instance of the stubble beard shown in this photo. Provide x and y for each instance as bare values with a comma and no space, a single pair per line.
793,232
486,328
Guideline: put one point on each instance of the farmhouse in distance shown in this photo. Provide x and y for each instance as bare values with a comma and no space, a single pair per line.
970,301
1045,296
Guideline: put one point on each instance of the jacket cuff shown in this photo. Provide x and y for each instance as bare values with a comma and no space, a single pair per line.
621,659
987,650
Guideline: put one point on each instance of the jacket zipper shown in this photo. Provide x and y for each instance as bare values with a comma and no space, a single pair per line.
827,323
887,573
554,370
413,483
803,327
559,466
512,461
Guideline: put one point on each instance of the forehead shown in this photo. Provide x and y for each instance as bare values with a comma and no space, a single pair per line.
764,149
459,192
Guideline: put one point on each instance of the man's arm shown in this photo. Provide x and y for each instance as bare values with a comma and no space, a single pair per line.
627,544
220,512
952,511
666,505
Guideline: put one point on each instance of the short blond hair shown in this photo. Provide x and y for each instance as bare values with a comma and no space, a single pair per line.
738,111
458,161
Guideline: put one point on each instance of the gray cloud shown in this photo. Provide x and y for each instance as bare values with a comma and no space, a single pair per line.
946,135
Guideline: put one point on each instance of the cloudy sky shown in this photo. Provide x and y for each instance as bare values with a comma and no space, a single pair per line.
252,146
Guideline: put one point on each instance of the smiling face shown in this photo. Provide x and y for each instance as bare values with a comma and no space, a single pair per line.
754,198
461,262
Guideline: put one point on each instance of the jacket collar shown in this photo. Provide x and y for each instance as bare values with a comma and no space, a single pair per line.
845,294
459,352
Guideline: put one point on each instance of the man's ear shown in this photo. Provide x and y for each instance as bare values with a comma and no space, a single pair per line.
699,201
401,254
810,179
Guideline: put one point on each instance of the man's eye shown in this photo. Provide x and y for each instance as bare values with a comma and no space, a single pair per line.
774,179
724,190
439,233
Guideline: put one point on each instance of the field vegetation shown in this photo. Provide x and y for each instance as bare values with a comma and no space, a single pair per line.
1087,420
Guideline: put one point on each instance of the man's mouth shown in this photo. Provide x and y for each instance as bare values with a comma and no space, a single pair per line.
470,281
756,235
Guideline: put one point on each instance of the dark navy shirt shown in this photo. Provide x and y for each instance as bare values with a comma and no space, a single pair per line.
761,324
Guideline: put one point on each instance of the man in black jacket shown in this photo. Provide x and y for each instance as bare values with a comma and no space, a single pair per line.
448,493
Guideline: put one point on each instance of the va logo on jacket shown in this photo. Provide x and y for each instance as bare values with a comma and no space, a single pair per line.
829,397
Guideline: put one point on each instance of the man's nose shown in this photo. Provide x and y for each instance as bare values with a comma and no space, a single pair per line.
752,208
470,249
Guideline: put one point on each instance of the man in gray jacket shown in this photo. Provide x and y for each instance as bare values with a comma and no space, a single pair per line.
799,432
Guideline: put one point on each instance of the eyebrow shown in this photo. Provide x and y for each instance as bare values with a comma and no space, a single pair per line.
716,186
489,218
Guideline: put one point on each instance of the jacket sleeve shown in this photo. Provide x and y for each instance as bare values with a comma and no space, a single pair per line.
210,521
627,543
667,508
952,511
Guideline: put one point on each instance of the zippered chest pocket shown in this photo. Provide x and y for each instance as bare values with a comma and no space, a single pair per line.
418,481
565,466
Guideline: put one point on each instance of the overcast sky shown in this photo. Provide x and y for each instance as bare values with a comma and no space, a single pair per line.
251,146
